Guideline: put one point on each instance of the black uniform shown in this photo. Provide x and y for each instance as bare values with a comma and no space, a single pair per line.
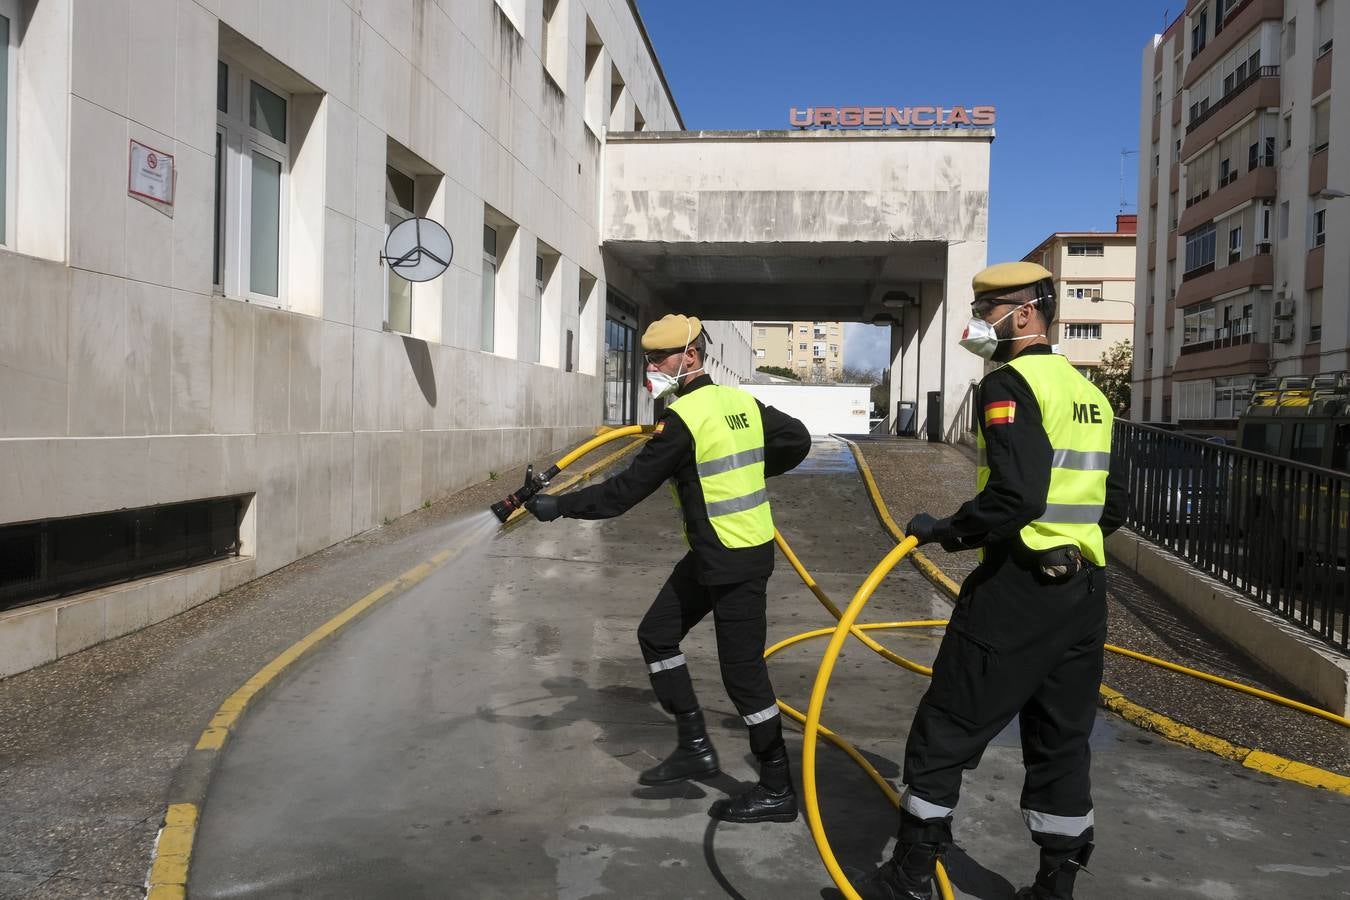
1019,644
729,583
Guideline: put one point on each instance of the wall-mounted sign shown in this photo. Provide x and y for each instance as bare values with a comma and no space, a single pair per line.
418,249
892,117
150,174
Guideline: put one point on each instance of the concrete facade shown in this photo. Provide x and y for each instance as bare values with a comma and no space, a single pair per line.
127,379
247,339
1245,157
1094,284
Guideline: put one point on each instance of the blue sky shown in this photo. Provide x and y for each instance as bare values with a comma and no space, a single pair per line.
1064,76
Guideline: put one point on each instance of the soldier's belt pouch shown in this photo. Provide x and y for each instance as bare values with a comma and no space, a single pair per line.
1061,563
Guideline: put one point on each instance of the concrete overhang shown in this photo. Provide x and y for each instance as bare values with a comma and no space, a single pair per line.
811,224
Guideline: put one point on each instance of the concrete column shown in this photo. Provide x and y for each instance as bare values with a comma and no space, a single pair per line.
960,368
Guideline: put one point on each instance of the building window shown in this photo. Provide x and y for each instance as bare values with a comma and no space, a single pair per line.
1197,326
399,191
553,46
1084,249
1284,220
1319,229
1290,42
489,298
252,169
1083,293
1321,124
759,353
1082,331
1199,32
802,330
1234,244
9,52
1315,315
761,331
1199,249
1325,23
801,346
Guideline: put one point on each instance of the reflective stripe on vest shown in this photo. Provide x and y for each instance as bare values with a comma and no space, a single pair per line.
1077,420
729,455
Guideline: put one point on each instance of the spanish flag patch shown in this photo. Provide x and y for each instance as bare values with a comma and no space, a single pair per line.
1001,412
660,427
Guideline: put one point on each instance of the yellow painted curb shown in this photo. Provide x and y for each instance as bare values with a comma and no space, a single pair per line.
1141,716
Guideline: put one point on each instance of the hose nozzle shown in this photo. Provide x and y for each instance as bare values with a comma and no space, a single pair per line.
533,485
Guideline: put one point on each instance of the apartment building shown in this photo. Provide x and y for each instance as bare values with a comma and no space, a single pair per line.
813,350
1244,171
1094,283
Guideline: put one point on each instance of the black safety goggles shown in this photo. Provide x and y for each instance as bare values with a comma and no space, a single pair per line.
656,357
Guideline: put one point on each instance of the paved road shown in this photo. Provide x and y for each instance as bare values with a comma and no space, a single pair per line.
480,737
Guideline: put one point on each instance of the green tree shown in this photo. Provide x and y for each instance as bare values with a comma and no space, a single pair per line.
780,371
1113,375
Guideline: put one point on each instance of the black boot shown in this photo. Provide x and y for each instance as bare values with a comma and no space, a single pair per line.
693,757
1058,869
907,875
772,800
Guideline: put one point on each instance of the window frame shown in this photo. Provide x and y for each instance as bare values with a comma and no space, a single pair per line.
9,156
487,337
391,208
241,143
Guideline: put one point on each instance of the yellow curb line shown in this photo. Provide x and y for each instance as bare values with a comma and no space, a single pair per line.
172,855
1141,716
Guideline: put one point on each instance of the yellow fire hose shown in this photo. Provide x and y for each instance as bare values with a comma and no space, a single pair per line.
845,626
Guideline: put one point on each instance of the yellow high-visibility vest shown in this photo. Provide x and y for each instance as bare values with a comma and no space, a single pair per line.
1077,420
729,453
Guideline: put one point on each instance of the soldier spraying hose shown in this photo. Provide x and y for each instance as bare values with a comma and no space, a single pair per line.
716,445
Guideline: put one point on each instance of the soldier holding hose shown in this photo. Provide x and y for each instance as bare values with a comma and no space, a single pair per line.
1027,634
716,445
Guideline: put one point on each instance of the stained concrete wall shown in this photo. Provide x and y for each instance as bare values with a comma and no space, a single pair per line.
126,380
814,186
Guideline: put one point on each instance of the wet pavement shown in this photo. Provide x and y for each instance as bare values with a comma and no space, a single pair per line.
480,736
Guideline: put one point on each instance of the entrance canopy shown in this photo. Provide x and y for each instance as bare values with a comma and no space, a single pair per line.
819,225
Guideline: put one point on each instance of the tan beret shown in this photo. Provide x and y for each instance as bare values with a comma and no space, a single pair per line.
670,332
1007,277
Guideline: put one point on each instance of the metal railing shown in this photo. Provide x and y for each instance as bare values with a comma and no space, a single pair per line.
1273,529
1256,75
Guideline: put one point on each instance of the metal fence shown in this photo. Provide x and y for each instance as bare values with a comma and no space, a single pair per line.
1273,529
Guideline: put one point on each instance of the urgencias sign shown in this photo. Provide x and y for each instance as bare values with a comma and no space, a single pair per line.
892,117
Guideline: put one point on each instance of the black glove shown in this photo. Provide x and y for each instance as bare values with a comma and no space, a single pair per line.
924,527
544,507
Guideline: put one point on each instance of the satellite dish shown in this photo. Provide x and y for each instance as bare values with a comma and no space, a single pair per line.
418,249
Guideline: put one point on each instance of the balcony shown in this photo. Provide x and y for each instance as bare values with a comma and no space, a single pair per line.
1239,23
1258,91
1317,171
1314,268
1322,74
1237,355
1235,335
1258,182
1207,282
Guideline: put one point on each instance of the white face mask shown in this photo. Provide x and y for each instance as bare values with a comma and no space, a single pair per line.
981,337
660,384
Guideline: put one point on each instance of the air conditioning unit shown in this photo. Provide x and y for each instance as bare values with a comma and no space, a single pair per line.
1284,332
1284,309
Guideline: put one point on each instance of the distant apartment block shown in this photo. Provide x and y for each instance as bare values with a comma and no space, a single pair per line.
1094,282
1244,172
813,350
